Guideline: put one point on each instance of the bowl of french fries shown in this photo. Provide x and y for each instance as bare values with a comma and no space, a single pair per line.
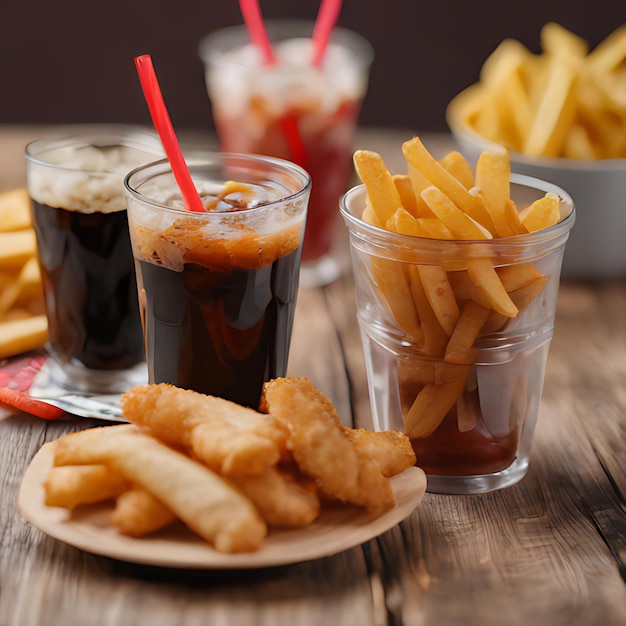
456,272
561,115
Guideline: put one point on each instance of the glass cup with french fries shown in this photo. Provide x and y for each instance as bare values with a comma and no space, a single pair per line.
75,183
561,113
456,275
218,288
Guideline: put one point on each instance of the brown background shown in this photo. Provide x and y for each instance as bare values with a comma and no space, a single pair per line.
72,60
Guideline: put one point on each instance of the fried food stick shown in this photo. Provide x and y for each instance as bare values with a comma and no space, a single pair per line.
390,450
280,498
72,485
230,439
138,513
204,501
322,449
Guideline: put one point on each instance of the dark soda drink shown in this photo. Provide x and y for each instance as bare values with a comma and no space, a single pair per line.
89,281
240,321
217,288
76,184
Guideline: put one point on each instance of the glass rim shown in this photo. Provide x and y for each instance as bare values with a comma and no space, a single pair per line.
211,47
409,241
97,135
209,158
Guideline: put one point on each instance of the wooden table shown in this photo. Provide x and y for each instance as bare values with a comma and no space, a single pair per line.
550,550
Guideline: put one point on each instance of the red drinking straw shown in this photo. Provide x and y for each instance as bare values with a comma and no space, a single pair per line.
324,24
252,16
163,125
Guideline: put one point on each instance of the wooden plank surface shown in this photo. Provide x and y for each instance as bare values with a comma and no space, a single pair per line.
550,550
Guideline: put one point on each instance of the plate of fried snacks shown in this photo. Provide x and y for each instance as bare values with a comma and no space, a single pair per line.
199,482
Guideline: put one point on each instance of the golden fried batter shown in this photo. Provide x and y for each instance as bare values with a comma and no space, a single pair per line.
228,438
138,513
390,450
280,498
204,501
322,449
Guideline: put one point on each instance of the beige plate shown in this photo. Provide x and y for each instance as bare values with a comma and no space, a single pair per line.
88,528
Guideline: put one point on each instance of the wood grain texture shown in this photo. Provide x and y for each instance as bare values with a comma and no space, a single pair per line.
548,551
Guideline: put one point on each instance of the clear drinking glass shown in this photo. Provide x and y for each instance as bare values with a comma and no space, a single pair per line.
79,216
217,289
293,111
470,414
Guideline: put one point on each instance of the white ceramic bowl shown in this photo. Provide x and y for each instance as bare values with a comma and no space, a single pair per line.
597,245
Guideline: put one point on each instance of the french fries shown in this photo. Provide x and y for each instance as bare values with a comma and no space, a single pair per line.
382,192
14,210
566,101
138,513
22,334
154,472
23,324
420,159
541,213
444,307
70,486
